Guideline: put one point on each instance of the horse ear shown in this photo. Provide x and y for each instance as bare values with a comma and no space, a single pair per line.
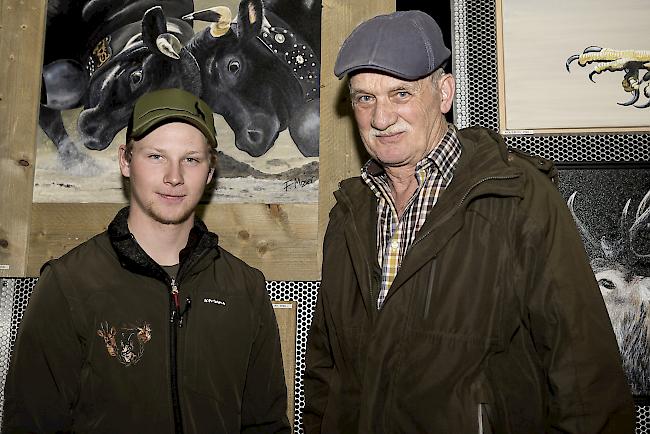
249,18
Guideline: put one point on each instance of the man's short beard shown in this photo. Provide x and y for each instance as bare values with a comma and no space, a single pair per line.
149,210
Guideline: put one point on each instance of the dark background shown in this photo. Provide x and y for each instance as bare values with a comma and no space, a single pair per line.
439,10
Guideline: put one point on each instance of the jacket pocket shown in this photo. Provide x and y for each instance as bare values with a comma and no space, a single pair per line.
427,301
485,425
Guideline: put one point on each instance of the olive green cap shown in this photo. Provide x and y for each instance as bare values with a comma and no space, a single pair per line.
166,105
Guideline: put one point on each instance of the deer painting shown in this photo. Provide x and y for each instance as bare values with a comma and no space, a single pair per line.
616,260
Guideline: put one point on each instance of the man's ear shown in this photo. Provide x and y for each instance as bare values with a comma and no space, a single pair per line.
123,159
447,86
210,174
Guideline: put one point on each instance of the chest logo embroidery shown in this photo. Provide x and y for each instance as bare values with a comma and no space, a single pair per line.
125,343
213,301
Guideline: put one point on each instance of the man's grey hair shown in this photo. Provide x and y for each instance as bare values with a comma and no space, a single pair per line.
436,76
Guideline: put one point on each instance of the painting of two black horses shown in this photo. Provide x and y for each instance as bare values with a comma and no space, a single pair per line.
256,62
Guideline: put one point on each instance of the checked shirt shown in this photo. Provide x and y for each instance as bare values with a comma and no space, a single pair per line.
394,236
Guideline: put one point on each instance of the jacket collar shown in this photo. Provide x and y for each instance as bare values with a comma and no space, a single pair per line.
361,233
201,243
483,169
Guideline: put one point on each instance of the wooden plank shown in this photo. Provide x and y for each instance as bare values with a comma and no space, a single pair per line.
22,30
341,151
286,314
280,240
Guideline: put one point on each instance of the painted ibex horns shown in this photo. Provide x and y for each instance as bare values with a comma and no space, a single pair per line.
169,45
219,16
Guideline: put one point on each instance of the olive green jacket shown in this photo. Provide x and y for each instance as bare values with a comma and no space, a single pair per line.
493,324
103,347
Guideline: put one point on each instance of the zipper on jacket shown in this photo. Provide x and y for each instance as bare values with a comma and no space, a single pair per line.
175,314
427,302
176,307
372,283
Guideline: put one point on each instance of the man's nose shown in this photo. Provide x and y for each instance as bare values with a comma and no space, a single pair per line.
384,115
173,174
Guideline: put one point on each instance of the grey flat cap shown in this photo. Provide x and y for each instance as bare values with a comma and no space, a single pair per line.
406,44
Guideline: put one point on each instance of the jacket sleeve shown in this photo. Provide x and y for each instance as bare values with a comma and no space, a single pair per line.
570,327
264,401
43,378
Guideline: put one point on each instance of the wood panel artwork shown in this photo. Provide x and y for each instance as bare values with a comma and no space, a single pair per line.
282,240
589,74
22,28
268,144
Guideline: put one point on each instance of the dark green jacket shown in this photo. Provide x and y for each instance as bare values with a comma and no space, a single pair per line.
494,322
101,348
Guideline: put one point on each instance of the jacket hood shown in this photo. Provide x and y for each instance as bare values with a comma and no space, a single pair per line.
200,244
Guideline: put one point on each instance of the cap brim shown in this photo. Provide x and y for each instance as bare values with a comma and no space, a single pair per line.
374,68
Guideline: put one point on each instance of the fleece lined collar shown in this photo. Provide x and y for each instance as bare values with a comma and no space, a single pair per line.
132,257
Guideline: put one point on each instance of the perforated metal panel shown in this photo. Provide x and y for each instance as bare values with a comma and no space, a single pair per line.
477,96
305,293
475,64
642,419
13,301
16,292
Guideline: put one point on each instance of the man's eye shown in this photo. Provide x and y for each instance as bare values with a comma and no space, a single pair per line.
403,94
364,98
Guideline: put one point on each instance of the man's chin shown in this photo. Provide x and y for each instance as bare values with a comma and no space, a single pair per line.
170,218
394,163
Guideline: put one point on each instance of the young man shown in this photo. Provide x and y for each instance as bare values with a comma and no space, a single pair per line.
456,295
151,327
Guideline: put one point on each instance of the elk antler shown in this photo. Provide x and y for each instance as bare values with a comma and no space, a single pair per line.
583,229
641,222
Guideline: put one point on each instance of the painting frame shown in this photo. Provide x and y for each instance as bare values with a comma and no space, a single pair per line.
568,101
609,206
268,146
479,98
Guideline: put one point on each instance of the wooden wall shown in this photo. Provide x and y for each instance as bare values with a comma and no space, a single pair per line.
282,240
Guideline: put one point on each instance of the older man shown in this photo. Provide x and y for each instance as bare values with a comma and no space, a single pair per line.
456,295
